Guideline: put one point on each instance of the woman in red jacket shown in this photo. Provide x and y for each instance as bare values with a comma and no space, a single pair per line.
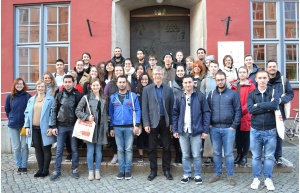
243,85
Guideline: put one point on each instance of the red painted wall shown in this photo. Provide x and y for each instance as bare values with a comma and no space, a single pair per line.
239,28
99,45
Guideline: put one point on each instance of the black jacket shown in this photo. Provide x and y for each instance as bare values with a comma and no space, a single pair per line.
276,83
263,116
225,108
63,109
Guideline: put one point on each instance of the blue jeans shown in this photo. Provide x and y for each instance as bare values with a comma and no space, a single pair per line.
259,140
189,144
91,147
223,137
61,138
124,139
20,147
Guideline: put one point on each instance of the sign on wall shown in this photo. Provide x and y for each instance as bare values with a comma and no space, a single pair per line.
233,48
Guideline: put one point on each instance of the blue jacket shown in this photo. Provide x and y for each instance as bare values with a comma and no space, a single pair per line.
122,114
225,108
276,83
252,75
14,109
263,116
45,120
200,114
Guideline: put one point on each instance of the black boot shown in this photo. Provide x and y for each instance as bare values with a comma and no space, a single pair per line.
177,158
243,161
180,157
237,159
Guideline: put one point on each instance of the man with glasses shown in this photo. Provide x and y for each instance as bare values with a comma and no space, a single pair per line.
226,114
157,105
153,62
191,116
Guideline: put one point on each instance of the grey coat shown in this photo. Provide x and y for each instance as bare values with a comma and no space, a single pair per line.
82,113
150,106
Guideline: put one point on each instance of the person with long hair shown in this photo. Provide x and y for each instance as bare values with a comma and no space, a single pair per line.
98,105
50,82
15,105
139,69
94,73
142,139
243,86
199,73
178,89
101,65
37,117
129,69
109,70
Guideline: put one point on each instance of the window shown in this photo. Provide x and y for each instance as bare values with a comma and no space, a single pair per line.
275,35
42,36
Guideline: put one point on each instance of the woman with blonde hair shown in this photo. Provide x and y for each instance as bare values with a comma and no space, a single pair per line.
37,121
50,82
15,105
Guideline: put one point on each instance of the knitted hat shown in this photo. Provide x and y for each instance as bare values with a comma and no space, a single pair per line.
168,53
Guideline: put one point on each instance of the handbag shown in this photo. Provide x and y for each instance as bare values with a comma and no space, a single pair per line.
287,106
84,129
23,131
134,116
207,147
279,122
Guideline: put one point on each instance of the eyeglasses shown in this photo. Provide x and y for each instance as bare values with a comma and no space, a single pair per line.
20,84
144,79
220,80
189,101
157,74
151,59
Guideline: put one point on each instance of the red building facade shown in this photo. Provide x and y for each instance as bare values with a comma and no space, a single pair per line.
36,33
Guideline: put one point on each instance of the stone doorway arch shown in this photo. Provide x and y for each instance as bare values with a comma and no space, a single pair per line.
121,21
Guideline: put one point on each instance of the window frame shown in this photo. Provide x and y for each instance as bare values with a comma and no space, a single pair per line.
280,39
42,44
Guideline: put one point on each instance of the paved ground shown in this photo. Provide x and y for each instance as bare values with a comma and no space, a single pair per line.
10,182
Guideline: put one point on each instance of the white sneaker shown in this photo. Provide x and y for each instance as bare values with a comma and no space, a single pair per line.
114,160
269,184
97,175
91,176
255,184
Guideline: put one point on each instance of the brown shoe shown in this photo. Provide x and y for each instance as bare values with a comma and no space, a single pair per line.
214,179
231,180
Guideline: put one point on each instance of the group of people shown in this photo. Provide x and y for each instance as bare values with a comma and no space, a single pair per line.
183,99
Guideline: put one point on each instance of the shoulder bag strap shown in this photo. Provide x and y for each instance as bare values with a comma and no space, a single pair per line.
283,86
87,104
132,101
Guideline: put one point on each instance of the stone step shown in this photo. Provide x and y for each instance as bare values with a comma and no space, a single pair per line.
145,166
108,152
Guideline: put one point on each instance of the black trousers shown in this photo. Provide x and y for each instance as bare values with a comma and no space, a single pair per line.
43,153
165,140
242,141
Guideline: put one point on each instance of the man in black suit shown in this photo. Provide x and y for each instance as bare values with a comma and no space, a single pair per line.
157,106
